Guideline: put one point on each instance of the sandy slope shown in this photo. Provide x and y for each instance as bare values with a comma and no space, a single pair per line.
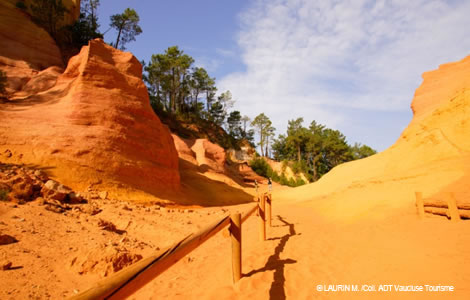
432,156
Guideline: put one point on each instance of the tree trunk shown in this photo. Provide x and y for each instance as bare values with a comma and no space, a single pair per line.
298,152
261,142
195,100
119,36
315,171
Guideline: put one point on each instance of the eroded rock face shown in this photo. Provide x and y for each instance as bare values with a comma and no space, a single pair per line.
183,146
95,126
25,51
23,43
209,155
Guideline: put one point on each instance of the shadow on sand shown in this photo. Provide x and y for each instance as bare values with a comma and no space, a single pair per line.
275,263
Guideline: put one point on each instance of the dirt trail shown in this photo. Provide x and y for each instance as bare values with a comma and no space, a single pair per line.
305,249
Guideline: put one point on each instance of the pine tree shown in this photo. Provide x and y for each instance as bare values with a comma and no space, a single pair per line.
127,26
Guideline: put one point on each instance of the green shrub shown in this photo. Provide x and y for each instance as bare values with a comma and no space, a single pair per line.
285,164
21,5
3,195
261,167
283,180
299,181
299,167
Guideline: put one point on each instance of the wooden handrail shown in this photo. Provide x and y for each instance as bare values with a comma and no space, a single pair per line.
128,280
448,207
248,213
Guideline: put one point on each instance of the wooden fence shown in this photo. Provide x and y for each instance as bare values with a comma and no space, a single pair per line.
129,280
449,207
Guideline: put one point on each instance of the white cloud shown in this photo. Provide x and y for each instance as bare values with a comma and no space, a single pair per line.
315,58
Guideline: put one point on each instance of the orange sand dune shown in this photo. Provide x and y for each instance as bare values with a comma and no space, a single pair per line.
432,155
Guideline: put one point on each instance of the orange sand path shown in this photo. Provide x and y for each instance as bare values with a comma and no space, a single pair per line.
306,249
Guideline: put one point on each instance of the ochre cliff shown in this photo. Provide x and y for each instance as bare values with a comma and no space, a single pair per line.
25,48
94,126
72,6
432,155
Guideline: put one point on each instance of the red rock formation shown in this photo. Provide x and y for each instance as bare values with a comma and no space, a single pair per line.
94,126
25,48
209,155
183,146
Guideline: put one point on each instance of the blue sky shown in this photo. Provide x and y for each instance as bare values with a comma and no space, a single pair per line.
351,65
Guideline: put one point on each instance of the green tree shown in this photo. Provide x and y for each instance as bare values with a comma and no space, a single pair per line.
245,120
234,124
168,76
250,136
226,100
217,113
48,14
314,148
263,125
127,26
280,148
269,136
336,149
200,83
297,136
86,27
359,151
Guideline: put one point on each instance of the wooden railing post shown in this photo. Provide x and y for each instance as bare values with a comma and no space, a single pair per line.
236,237
420,204
268,209
129,280
262,218
452,205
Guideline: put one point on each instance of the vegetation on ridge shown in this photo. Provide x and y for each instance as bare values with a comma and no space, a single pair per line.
50,15
182,93
185,98
317,149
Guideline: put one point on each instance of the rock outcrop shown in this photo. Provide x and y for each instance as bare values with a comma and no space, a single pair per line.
25,48
432,154
71,15
94,126
183,147
245,154
209,155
